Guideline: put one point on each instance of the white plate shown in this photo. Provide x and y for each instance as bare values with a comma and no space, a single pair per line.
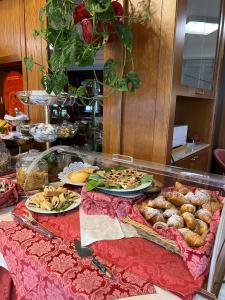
76,166
44,211
139,188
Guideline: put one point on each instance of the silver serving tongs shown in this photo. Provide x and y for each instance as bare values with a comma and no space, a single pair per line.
29,221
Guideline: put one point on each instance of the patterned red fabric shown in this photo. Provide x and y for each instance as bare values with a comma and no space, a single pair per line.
7,289
11,196
97,203
196,260
51,269
138,256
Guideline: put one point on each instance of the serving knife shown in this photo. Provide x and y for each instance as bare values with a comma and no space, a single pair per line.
31,223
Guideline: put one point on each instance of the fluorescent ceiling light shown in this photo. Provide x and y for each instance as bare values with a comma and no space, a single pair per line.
203,28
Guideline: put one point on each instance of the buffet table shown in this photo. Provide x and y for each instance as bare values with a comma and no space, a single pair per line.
55,264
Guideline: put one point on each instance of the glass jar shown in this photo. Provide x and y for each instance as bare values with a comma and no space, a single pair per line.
5,160
37,178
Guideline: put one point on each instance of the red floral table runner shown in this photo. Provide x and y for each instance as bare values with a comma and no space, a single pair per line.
138,256
51,269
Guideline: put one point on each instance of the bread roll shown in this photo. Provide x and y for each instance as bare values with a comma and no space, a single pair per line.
78,177
157,218
193,239
160,202
187,208
175,221
204,215
190,220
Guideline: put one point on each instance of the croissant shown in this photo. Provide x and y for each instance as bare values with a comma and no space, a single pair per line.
160,202
204,215
187,208
157,218
193,239
200,197
175,221
202,227
190,220
149,212
212,205
176,198
169,212
141,206
179,187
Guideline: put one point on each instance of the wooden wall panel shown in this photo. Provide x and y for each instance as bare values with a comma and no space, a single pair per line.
145,115
138,113
11,20
36,48
165,100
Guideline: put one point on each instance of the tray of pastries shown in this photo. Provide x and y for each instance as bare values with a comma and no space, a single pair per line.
189,210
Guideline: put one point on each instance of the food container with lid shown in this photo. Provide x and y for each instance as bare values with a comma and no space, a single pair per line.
37,178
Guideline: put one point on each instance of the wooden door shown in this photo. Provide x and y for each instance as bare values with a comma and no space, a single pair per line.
12,22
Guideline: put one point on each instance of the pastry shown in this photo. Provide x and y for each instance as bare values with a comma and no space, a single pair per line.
169,212
190,197
204,215
193,239
202,227
176,198
190,220
149,212
157,218
187,208
201,197
160,202
160,225
175,221
212,205
179,187
78,177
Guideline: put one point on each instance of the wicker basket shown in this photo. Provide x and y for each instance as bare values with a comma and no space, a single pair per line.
150,234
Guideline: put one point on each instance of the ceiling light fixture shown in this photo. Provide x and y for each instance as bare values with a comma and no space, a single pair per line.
202,28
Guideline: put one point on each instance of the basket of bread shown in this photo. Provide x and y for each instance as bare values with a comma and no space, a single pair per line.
9,193
187,210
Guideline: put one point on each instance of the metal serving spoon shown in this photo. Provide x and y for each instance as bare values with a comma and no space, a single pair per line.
88,252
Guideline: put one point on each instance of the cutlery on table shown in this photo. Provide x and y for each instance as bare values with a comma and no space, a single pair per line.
28,220
88,252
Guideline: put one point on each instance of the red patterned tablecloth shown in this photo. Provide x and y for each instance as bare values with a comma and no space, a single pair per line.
146,261
51,269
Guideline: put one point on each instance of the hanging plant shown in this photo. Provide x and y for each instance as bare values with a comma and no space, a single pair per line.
75,33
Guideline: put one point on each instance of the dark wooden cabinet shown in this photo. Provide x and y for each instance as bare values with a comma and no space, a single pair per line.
197,161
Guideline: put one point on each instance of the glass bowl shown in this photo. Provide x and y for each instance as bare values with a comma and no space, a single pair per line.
67,130
43,133
43,98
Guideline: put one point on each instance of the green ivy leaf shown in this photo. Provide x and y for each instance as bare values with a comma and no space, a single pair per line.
125,34
92,184
88,57
29,62
97,6
109,72
146,178
133,81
